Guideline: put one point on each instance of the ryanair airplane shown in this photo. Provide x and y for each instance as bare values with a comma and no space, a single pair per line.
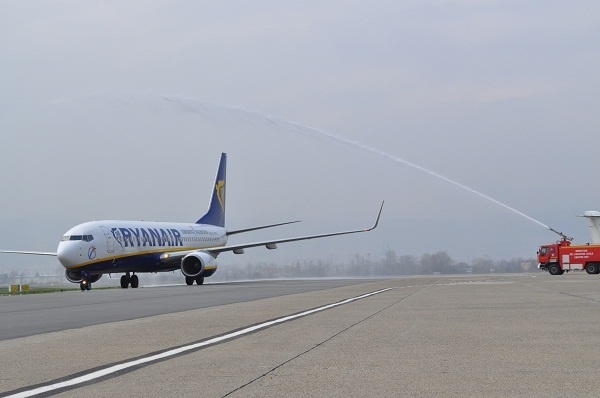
92,249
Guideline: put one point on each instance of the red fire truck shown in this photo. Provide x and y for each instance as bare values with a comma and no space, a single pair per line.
562,256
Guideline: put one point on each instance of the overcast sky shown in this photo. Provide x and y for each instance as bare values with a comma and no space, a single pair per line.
120,110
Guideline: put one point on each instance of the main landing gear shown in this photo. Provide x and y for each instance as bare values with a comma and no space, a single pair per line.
132,280
189,280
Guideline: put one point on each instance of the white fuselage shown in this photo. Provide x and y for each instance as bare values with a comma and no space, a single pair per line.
99,245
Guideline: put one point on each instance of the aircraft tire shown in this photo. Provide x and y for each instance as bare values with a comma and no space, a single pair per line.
135,281
82,286
124,282
88,286
189,280
200,280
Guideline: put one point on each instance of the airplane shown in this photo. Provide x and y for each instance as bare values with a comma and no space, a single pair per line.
92,249
593,220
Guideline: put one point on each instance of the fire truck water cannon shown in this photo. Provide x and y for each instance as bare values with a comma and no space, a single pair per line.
562,236
562,256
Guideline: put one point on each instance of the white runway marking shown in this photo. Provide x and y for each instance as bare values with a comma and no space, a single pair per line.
116,368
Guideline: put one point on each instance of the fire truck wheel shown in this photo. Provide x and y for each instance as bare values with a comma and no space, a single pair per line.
592,268
554,269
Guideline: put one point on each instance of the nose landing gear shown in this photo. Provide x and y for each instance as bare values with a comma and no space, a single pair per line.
85,285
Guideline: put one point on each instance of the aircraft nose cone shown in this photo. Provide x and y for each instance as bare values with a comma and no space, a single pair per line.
66,255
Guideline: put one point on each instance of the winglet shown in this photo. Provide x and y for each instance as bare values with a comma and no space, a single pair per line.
378,217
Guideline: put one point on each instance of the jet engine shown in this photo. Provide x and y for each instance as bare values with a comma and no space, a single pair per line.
194,263
75,276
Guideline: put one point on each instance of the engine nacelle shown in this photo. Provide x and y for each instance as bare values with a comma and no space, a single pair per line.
194,263
75,276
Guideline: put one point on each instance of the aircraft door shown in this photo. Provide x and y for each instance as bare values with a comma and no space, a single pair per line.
110,240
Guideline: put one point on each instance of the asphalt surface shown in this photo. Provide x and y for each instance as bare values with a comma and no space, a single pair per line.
29,315
473,336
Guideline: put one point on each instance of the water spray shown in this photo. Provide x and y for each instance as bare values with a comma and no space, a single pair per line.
397,159
302,129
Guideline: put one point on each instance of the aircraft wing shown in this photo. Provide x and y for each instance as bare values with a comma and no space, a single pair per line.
27,252
272,244
173,257
239,231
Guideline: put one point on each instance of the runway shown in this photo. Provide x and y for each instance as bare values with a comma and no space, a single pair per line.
469,336
42,313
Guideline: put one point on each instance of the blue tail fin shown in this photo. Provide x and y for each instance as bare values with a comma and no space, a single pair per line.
216,211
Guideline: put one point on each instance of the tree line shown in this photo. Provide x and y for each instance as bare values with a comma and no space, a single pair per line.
358,266
390,265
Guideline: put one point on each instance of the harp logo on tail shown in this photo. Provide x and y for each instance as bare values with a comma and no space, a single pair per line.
220,188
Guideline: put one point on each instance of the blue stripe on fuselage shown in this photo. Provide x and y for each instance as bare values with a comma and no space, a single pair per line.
139,263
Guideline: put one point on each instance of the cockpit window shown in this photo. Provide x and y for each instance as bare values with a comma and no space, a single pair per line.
85,238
